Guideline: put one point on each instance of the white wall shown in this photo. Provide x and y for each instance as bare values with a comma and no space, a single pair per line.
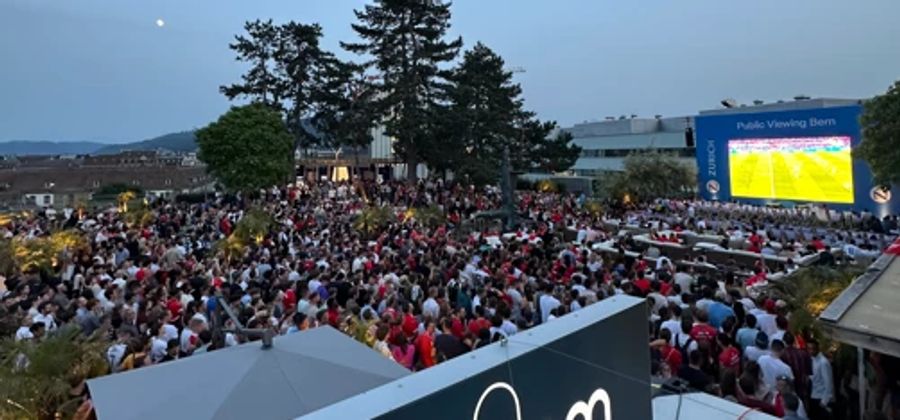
41,199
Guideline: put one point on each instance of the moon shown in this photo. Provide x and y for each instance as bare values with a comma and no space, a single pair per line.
160,23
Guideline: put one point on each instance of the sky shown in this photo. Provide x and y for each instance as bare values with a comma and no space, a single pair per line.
102,70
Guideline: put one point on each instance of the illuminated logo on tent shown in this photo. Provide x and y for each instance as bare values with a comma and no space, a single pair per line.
580,410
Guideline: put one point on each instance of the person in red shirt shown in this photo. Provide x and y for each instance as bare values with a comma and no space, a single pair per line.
333,312
669,355
479,323
756,243
729,357
410,325
425,346
642,283
817,243
702,331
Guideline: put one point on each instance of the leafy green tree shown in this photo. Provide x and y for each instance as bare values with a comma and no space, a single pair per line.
405,40
881,136
248,148
38,378
650,175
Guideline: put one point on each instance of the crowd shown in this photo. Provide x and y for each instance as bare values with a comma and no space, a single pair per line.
418,293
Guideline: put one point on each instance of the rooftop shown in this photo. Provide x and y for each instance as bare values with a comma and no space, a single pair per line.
794,104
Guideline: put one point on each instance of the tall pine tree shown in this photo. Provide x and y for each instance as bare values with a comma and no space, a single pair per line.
289,71
480,122
258,48
405,39
486,115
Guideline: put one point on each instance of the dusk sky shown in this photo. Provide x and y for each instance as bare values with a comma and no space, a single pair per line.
103,70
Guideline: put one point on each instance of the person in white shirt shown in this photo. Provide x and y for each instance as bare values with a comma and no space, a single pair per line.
684,280
672,322
159,345
772,367
781,325
46,316
430,307
547,303
822,382
24,332
754,352
765,321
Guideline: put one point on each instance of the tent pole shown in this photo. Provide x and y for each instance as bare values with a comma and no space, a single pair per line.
861,373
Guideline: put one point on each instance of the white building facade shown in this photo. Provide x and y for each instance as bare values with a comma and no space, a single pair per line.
605,144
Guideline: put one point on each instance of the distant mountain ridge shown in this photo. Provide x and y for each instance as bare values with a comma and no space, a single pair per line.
184,141
30,147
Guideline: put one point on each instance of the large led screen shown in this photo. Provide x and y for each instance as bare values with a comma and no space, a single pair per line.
802,169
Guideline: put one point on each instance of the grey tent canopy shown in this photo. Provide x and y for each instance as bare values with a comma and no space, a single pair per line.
301,373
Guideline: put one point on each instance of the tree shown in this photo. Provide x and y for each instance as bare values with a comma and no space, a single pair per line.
257,48
480,119
347,107
881,136
291,73
538,148
248,148
405,39
309,79
650,175
486,116
555,153
38,378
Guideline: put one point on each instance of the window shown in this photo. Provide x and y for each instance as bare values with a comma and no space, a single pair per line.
135,182
168,181
95,183
49,184
47,199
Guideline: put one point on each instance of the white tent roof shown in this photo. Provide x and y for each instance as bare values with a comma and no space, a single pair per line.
698,405
301,373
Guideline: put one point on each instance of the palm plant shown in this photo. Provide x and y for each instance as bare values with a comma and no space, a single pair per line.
253,226
809,291
39,377
431,216
372,219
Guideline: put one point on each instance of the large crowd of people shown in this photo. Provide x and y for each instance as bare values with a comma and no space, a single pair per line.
421,293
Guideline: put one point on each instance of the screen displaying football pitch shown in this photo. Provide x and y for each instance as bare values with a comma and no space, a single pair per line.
798,169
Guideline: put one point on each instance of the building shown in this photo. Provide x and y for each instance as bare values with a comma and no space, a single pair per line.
788,153
338,164
60,181
605,144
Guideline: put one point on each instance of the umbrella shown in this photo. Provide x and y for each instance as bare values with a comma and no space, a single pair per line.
301,373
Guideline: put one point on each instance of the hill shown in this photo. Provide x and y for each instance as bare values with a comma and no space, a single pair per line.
176,142
27,147
184,141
